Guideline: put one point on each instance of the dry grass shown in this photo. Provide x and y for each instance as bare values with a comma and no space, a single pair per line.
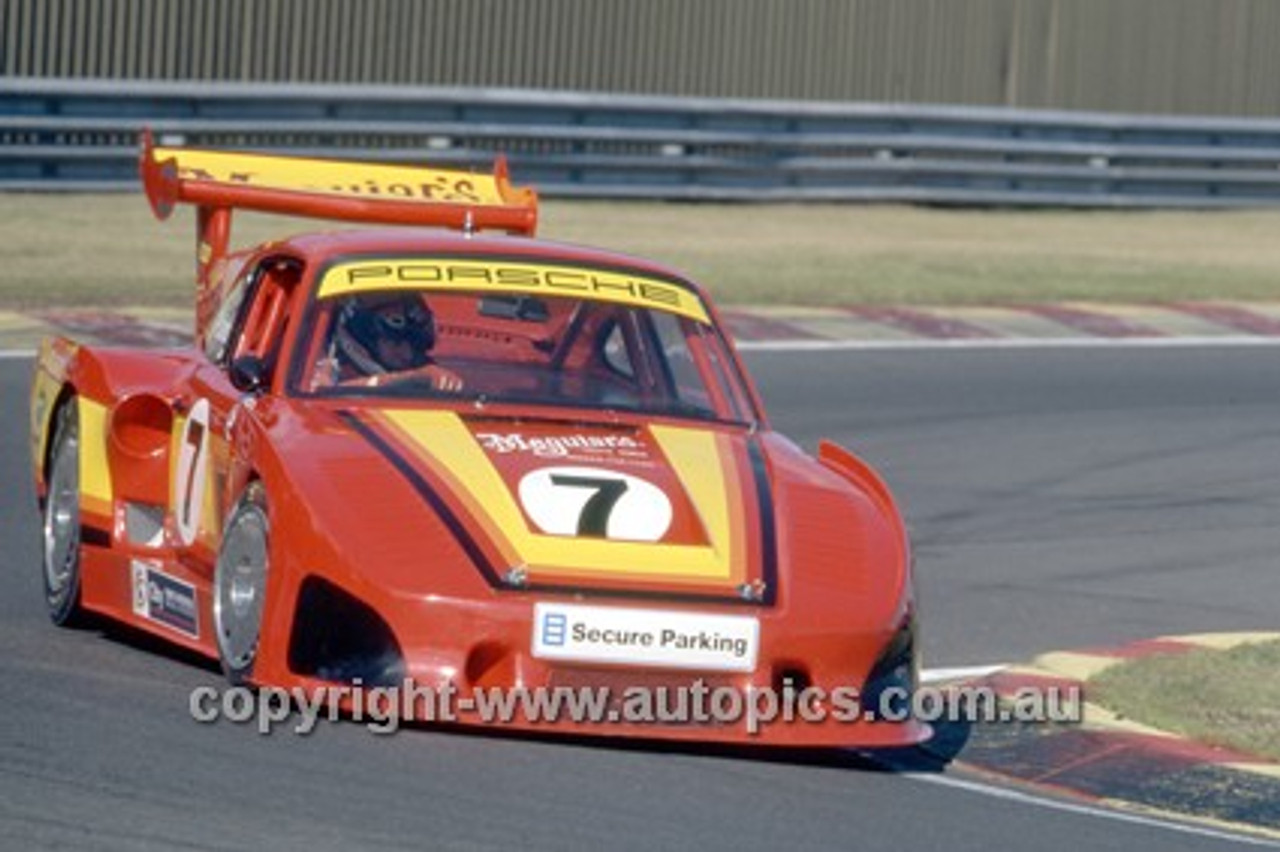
1224,698
104,249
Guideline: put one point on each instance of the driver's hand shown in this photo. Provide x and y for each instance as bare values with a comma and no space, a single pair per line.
442,378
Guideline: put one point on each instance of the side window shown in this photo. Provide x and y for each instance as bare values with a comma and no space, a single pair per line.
684,374
261,331
217,338
614,352
695,366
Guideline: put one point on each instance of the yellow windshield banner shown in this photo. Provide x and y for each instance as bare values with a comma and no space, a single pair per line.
442,274
331,177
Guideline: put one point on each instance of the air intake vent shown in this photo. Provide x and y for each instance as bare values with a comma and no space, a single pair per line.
341,639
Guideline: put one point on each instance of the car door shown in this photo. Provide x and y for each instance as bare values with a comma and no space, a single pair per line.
248,328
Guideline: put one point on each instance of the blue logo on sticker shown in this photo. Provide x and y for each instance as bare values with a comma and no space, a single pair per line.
555,628
173,602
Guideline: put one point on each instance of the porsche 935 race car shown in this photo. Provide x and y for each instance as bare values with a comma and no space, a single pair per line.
457,454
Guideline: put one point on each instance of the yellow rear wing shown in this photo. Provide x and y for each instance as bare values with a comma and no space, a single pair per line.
220,182
345,190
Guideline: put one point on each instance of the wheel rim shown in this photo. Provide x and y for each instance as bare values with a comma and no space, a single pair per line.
62,521
240,583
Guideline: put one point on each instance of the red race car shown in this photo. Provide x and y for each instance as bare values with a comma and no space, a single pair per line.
443,458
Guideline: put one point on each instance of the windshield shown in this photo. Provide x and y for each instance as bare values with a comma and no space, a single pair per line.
597,351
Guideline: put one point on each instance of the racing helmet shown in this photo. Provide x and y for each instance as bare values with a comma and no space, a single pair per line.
398,317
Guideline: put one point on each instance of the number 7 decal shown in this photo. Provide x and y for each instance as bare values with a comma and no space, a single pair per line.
189,477
594,519
591,502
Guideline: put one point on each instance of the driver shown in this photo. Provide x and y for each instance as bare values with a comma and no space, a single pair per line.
384,336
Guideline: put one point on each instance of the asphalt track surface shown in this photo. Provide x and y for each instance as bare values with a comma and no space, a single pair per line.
1059,498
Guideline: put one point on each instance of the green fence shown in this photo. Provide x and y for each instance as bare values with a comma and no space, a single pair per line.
1213,57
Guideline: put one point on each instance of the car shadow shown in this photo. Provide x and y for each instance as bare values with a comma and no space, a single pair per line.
140,640
930,757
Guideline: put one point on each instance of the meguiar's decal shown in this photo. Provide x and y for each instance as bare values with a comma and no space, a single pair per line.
512,277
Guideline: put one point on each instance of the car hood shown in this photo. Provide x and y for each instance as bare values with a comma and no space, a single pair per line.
673,510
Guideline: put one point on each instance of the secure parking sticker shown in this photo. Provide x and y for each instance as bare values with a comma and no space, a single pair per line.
644,637
162,598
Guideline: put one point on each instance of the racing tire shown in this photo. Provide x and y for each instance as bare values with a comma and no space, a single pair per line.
240,584
60,527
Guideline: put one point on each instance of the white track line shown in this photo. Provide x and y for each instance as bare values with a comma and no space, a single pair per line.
1008,343
941,675
1090,810
15,354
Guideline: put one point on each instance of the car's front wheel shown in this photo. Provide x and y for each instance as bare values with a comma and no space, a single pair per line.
240,584
61,526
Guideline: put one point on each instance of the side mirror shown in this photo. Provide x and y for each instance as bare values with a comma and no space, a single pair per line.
248,374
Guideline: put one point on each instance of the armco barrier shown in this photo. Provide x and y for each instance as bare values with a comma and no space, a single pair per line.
81,135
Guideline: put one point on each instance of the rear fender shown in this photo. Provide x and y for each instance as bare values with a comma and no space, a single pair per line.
124,401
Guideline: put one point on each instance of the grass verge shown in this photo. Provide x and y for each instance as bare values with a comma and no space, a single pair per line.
96,250
1225,698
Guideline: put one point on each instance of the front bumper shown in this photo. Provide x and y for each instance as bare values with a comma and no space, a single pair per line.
471,663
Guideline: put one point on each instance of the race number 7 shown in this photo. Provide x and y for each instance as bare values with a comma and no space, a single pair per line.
189,477
594,518
195,440
594,502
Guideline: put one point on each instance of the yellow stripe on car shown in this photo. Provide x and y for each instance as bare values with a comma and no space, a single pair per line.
95,475
441,438
44,392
